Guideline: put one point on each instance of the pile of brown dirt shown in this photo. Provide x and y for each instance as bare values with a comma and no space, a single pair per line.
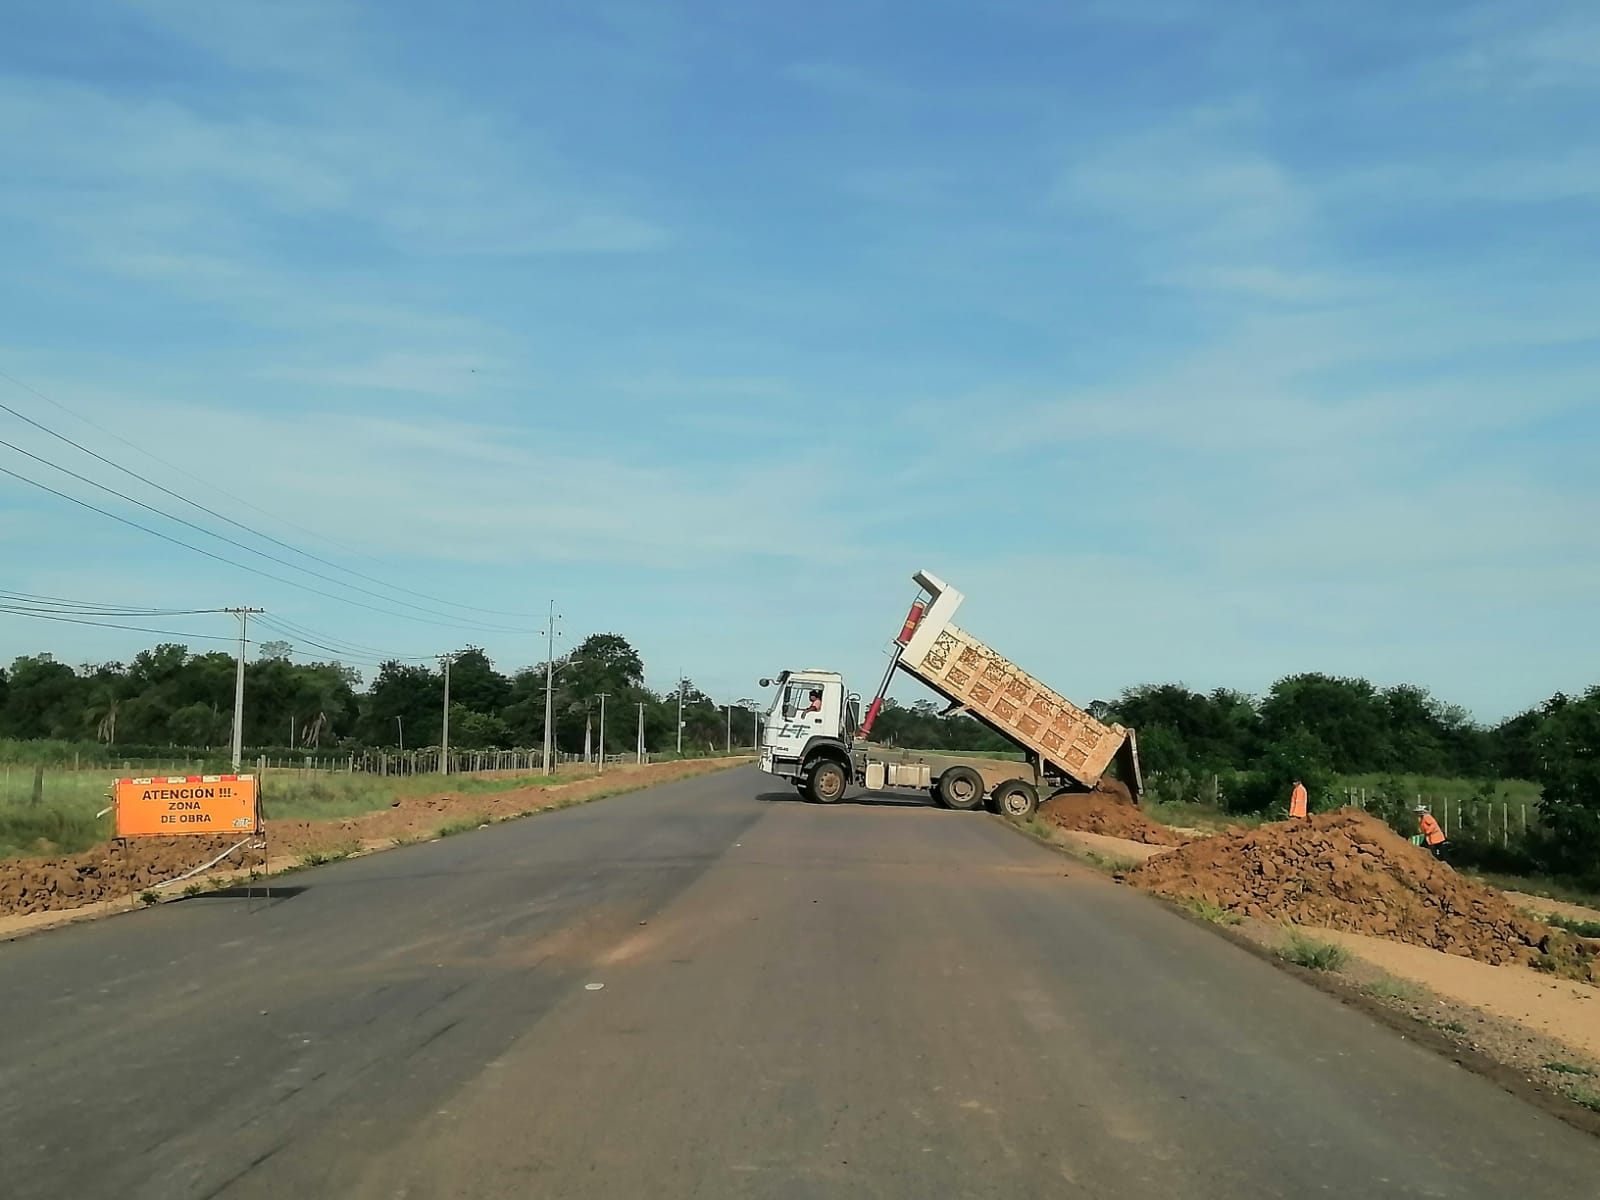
1100,812
110,871
1348,870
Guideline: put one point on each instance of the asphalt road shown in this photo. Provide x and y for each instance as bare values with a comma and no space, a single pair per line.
797,1001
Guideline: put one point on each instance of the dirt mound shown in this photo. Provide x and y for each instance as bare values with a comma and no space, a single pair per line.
1113,790
1348,870
1100,812
110,871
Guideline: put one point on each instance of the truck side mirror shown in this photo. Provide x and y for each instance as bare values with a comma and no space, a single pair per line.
766,683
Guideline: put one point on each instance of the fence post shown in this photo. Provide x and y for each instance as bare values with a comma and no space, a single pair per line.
38,785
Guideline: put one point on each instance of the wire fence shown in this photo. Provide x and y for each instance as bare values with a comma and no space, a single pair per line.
1480,821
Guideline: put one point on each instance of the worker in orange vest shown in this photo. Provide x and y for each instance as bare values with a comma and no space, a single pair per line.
1432,835
1297,800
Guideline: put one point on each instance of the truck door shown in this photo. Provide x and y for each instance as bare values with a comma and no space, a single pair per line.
810,706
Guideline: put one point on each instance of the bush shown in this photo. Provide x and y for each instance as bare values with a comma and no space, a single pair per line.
1314,953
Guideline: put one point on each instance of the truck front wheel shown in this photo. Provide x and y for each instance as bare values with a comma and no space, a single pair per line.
961,788
1017,799
826,783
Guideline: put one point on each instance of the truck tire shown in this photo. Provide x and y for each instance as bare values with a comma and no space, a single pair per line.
827,782
961,788
1016,798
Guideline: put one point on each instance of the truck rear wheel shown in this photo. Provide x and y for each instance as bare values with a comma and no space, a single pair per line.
1016,798
827,782
961,788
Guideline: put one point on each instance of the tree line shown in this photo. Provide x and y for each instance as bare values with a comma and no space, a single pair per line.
1240,751
166,697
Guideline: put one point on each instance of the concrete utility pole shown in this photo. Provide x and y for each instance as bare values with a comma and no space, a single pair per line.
444,731
639,749
730,728
549,682
603,696
238,685
680,713
755,720
400,721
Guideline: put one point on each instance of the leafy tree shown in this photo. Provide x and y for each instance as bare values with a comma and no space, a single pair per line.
1569,775
475,683
198,724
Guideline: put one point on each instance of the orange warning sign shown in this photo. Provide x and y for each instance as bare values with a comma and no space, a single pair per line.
173,805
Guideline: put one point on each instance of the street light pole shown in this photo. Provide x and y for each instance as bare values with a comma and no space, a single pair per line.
603,696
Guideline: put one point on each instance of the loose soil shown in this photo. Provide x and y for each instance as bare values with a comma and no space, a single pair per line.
1347,870
1108,811
119,869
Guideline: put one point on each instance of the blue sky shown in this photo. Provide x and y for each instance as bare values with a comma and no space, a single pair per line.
1194,341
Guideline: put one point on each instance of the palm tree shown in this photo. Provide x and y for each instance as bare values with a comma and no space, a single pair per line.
106,729
313,732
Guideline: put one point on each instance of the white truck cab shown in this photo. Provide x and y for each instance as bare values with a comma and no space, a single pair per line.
809,712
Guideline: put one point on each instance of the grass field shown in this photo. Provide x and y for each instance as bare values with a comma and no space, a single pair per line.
1435,789
64,821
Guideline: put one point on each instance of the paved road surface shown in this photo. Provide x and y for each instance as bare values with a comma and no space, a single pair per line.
798,1001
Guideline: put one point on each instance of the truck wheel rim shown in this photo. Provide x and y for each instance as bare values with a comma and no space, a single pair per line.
1015,803
961,789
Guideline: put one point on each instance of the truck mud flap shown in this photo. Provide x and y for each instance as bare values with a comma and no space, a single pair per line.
1127,761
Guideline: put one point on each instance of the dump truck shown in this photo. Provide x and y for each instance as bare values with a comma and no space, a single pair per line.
816,739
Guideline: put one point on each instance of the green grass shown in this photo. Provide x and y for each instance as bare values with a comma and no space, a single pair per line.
1314,953
1587,929
464,825
1539,885
1191,815
150,896
1039,829
64,822
1437,788
316,858
193,888
1111,862
1566,1068
1388,988
1587,1098
1000,755
1214,913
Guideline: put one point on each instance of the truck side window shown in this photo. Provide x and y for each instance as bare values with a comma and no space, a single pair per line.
796,700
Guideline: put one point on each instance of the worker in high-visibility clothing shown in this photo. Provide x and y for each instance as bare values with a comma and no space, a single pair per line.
1432,834
1297,800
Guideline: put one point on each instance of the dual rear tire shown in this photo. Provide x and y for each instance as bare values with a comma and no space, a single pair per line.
1015,799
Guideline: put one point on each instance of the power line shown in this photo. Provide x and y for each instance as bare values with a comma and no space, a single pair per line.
210,637
228,561
283,562
349,651
115,436
394,587
89,608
